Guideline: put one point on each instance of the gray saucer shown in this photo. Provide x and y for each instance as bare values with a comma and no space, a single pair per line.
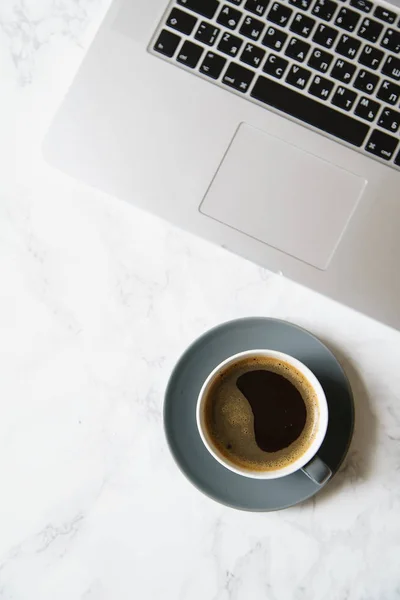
207,352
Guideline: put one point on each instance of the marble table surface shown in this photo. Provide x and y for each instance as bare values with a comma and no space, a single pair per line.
98,300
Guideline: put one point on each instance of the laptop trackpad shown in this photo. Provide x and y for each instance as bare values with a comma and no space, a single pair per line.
283,196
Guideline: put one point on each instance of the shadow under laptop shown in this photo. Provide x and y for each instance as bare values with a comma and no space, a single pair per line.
357,464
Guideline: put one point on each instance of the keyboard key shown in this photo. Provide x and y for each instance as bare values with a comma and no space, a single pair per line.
310,111
258,7
237,2
381,144
279,14
370,30
325,36
302,25
230,44
389,92
252,28
348,46
207,8
252,55
321,87
303,4
347,19
229,17
274,38
343,70
384,15
370,57
275,66
363,5
297,49
367,108
391,40
167,43
320,60
392,67
389,119
207,33
397,160
324,9
298,76
366,81
238,77
189,54
212,65
344,98
181,21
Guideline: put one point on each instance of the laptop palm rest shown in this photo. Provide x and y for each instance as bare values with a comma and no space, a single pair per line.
283,196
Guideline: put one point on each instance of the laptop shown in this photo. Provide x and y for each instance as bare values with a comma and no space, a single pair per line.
269,127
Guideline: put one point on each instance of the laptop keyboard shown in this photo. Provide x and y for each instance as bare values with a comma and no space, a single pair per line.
332,65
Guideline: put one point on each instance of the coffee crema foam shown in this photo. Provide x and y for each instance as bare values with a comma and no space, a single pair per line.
229,419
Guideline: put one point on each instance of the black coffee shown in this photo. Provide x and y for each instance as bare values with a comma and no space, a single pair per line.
261,413
278,408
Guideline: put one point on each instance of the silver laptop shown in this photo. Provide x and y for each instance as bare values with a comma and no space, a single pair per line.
270,127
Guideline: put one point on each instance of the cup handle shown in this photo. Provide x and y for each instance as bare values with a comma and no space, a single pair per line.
317,470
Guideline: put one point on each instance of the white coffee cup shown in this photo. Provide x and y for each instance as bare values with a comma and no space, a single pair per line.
309,462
